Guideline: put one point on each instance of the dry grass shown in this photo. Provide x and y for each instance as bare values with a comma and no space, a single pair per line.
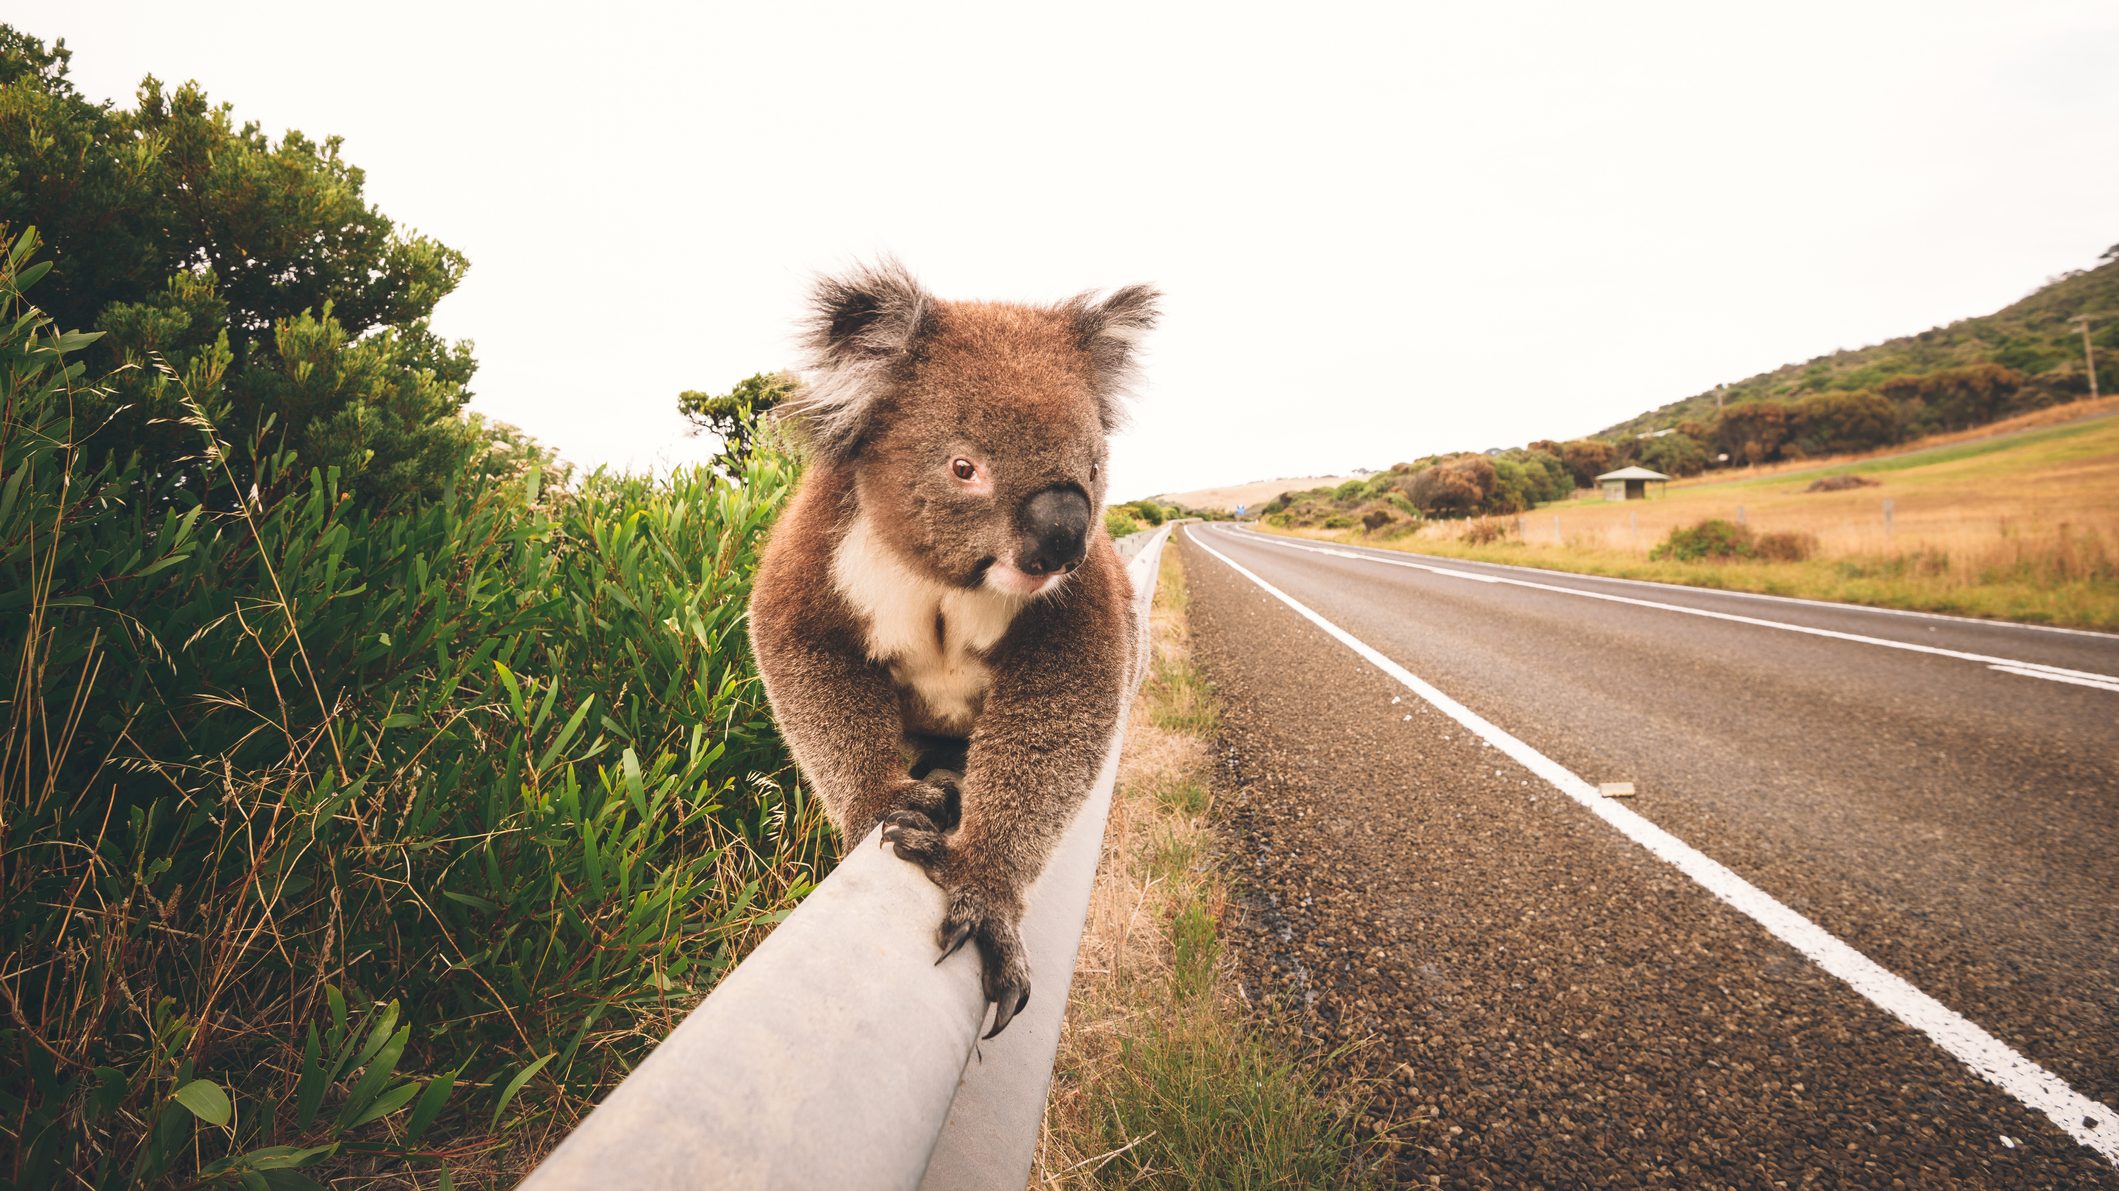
1162,1078
1253,494
2020,526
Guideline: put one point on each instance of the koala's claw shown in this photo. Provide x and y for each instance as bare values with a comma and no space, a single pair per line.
1004,972
953,940
913,836
936,796
1012,1000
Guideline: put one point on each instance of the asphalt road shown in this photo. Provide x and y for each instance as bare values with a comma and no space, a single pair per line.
1549,1001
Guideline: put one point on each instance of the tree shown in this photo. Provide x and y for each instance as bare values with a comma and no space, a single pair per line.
248,277
1673,454
1455,487
733,416
1834,422
1586,459
1954,398
1752,432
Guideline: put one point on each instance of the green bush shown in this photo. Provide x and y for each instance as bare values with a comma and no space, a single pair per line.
1120,521
1147,512
1713,539
278,762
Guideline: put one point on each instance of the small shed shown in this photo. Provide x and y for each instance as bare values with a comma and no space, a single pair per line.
1630,483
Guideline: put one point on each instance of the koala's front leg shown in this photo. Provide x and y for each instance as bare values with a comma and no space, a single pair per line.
1035,752
839,714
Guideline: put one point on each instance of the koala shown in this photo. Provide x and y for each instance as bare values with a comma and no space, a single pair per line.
944,628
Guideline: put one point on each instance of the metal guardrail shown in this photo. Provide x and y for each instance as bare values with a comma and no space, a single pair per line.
839,1055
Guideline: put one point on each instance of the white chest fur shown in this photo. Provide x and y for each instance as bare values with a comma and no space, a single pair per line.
930,635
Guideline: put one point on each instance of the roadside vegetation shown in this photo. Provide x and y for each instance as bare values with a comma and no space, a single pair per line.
1135,516
373,792
2021,525
1165,1078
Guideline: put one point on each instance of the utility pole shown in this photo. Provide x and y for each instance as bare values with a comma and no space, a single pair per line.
2088,357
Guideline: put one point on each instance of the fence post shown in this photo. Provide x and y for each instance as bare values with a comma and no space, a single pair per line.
1887,518
1740,515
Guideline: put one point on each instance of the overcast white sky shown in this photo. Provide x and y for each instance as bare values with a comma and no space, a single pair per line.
1384,230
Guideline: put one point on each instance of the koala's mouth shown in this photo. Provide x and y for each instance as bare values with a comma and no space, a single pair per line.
977,578
1006,577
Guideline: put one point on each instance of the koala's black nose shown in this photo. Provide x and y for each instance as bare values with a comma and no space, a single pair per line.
1054,530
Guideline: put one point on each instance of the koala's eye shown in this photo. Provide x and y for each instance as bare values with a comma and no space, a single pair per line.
964,468
1095,469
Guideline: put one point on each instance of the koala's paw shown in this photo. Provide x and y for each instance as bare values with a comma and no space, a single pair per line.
922,812
1004,971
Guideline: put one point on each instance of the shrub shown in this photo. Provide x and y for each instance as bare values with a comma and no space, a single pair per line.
1454,487
1713,539
286,762
1120,521
1148,512
1488,530
1338,521
1840,483
1784,546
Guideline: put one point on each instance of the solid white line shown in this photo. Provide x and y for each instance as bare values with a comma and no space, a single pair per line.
2087,1121
1809,630
1829,605
2102,686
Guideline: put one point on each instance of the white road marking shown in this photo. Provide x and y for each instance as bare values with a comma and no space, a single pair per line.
2112,685
1830,605
2090,678
2086,1120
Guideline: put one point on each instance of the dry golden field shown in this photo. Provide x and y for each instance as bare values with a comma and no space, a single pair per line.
2020,524
1253,494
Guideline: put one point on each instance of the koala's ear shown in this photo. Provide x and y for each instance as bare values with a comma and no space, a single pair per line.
863,328
1110,332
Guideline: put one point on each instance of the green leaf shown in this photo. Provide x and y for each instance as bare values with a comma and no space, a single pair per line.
164,562
630,762
379,1037
379,1069
559,743
206,1101
507,678
387,1103
282,1157
109,1093
522,1077
309,1090
338,1014
430,1104
470,899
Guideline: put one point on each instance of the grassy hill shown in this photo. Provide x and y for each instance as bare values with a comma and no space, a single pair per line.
2019,523
2036,336
1973,373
